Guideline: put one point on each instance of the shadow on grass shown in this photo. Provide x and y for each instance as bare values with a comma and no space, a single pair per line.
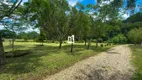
32,61
81,47
26,64
20,65
16,46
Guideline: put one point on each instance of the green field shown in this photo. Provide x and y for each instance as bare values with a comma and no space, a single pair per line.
43,60
137,61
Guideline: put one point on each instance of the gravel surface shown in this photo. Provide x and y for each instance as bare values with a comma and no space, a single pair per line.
111,65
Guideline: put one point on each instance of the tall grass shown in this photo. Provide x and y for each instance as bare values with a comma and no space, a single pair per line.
137,61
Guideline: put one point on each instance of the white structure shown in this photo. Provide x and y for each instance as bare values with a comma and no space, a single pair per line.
71,39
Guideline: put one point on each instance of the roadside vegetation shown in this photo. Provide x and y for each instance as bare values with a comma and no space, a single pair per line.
137,61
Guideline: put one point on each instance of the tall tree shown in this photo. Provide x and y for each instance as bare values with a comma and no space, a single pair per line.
83,26
97,30
7,8
52,17
72,23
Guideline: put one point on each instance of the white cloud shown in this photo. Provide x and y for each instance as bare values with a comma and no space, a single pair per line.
74,2
94,16
31,29
105,2
1,27
27,30
125,16
24,1
91,12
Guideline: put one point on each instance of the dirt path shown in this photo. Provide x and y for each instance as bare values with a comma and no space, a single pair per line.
111,65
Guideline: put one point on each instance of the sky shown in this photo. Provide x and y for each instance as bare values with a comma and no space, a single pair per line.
84,2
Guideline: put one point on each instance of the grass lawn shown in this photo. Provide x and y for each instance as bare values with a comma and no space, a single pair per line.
137,61
43,60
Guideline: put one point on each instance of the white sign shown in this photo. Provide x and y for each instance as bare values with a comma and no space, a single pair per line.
71,39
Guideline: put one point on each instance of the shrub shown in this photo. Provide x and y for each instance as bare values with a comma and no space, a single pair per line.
25,38
120,38
135,35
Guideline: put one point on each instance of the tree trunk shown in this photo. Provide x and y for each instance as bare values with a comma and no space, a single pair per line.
85,42
96,43
10,42
53,41
89,43
135,43
60,45
2,56
42,43
72,46
13,40
141,43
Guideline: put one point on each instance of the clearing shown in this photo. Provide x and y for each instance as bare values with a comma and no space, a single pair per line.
111,65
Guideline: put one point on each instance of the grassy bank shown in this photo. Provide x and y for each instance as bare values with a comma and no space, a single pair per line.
43,60
137,61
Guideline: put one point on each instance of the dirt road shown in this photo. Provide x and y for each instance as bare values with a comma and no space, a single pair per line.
111,65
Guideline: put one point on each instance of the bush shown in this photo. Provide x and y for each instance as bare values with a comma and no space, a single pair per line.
40,39
37,39
25,38
93,40
80,41
120,38
135,35
100,40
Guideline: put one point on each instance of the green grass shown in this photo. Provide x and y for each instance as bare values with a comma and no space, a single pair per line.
43,60
137,61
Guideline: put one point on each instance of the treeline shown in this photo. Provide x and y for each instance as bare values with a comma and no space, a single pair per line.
27,35
63,20
7,34
132,27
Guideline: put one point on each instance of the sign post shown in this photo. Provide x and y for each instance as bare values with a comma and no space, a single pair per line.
71,41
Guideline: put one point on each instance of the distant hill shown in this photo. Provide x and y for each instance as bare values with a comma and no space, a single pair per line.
134,18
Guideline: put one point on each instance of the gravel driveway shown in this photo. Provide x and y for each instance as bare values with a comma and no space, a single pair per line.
111,65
